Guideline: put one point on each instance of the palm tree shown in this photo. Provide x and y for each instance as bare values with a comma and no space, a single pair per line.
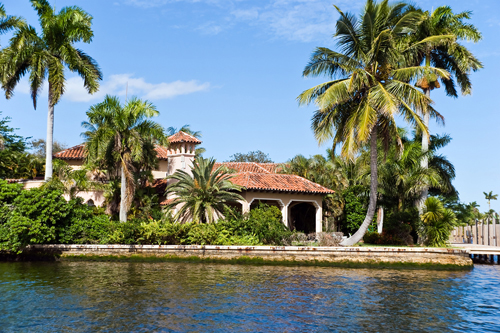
121,138
72,181
438,222
447,54
369,89
8,22
203,196
47,54
490,196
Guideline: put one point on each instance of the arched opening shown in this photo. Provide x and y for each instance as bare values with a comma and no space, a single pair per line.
303,217
90,203
258,202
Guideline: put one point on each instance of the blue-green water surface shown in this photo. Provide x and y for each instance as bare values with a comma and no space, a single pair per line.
181,297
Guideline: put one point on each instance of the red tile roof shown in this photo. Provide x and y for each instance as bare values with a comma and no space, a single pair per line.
277,182
183,137
161,152
73,153
242,166
250,166
78,153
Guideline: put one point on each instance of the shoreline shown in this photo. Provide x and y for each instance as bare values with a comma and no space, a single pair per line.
363,257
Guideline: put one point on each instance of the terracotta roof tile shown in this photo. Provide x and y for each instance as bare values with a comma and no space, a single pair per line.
183,137
243,166
73,153
161,152
78,153
277,182
251,166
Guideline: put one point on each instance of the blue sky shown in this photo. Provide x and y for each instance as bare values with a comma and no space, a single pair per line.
232,69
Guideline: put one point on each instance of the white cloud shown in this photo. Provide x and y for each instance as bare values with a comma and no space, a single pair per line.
117,85
296,20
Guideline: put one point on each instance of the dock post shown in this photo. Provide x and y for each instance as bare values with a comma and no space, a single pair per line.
482,232
488,225
495,242
477,233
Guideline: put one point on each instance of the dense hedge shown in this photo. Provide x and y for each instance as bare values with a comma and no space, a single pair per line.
40,216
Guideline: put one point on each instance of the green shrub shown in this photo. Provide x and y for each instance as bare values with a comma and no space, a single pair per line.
8,192
437,223
33,218
385,238
371,237
356,202
85,231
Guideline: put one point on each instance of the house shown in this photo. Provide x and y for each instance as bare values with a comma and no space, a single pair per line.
299,199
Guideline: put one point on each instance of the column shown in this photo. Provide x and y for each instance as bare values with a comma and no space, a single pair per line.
245,205
319,217
284,213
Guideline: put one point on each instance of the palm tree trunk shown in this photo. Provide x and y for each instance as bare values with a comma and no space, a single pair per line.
50,137
425,147
373,193
123,197
380,220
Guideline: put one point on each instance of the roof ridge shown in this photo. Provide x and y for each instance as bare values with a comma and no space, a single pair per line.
260,166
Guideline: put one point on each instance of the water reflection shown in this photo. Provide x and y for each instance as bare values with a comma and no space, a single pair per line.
88,296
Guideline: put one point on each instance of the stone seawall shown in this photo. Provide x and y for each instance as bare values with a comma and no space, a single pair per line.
334,256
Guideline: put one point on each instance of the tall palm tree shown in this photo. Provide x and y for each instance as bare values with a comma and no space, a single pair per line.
121,138
203,196
48,54
8,22
490,196
369,87
447,54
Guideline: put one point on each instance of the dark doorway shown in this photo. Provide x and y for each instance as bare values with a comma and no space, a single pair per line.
303,217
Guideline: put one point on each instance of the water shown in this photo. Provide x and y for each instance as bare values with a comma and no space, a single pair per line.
177,297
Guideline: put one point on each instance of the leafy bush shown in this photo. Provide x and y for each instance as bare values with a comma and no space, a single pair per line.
385,238
437,223
41,216
8,192
356,202
33,218
371,237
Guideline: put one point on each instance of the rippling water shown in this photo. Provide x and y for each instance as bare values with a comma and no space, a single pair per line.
112,297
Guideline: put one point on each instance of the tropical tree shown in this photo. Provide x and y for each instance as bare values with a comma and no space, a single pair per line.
121,138
203,196
369,87
490,196
402,177
437,223
186,129
252,156
72,181
8,22
46,55
445,53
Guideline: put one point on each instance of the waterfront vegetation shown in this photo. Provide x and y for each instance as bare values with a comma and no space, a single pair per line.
384,174
43,216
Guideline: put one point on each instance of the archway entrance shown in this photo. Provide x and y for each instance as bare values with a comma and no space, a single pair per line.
303,217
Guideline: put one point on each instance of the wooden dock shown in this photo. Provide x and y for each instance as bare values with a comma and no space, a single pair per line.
481,253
